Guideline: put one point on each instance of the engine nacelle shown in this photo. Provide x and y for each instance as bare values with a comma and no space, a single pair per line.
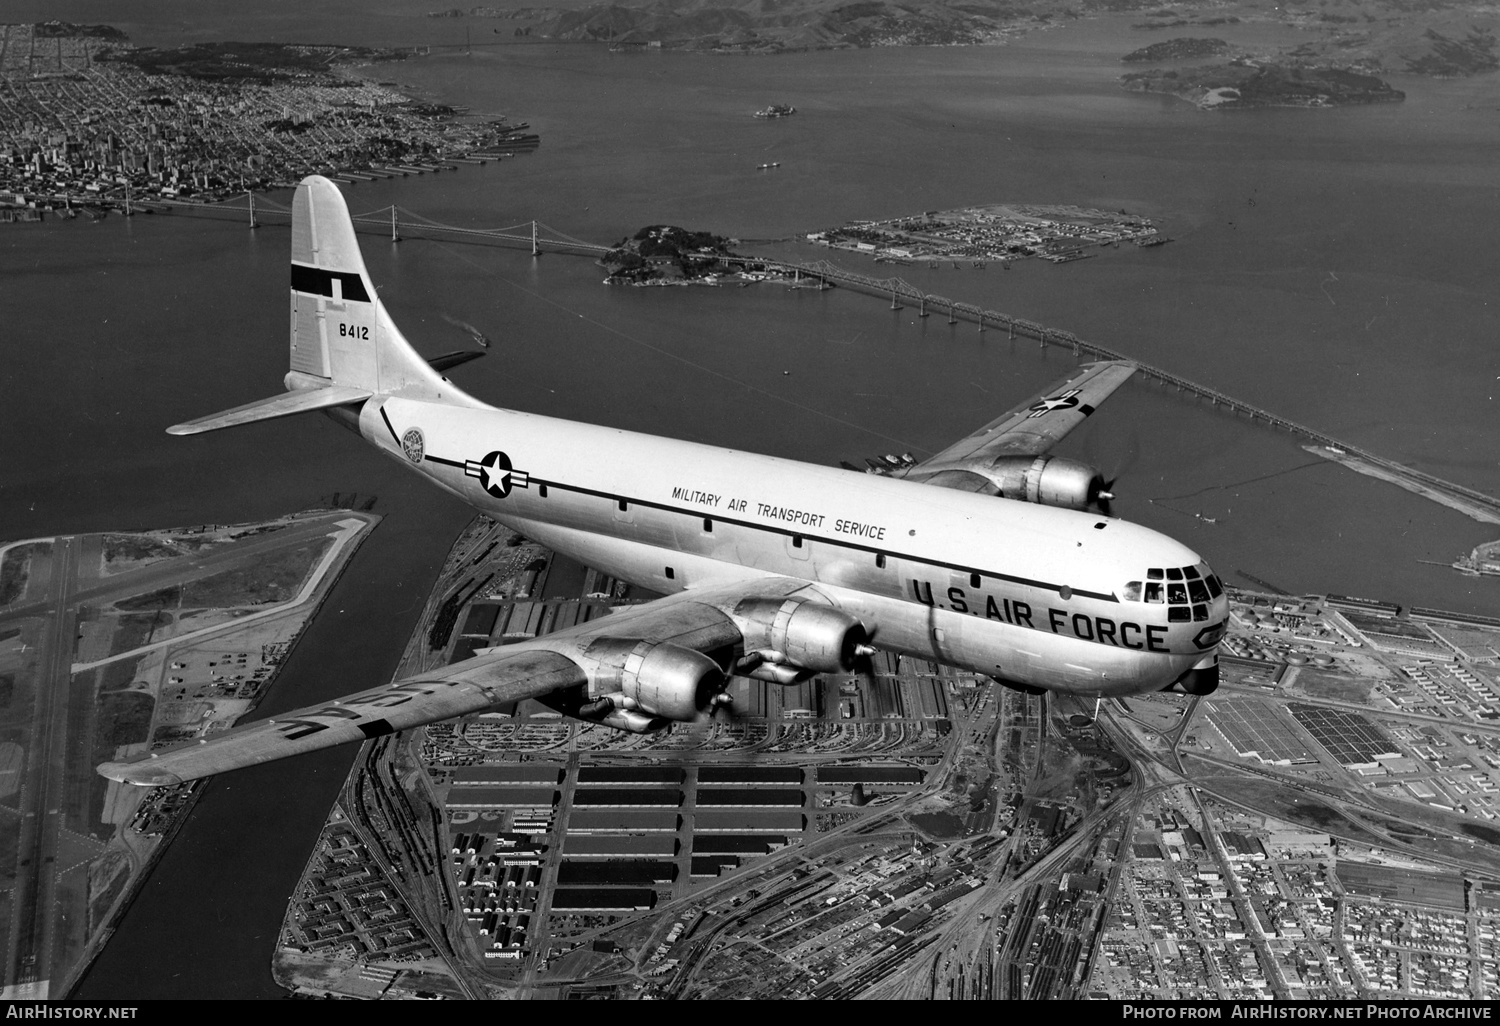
1048,480
629,719
659,680
808,635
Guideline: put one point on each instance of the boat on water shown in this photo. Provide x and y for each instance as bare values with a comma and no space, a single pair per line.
776,110
767,167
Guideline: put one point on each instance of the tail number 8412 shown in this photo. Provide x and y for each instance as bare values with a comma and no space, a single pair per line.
353,331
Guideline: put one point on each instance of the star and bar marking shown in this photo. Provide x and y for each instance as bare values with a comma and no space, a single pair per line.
494,472
1067,400
496,475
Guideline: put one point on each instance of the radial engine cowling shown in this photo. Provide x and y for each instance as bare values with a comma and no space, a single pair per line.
662,680
806,634
1049,480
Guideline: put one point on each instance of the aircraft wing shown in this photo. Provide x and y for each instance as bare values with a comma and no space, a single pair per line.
515,673
529,669
1030,429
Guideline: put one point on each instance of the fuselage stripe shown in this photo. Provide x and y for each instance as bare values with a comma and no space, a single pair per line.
697,514
389,426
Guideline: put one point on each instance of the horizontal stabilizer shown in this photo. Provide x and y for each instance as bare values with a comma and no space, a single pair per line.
450,360
300,401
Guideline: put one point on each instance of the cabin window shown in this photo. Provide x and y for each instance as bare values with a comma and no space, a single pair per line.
1214,587
1133,592
1154,574
1178,614
624,506
1190,572
1174,574
1176,593
973,580
1153,592
880,560
541,490
1200,612
708,525
671,574
796,541
1197,591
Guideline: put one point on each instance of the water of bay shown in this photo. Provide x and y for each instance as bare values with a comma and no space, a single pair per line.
1333,266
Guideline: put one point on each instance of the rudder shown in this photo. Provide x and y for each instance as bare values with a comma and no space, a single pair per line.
344,346
340,332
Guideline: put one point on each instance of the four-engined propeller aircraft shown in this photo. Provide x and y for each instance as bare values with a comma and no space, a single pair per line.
991,556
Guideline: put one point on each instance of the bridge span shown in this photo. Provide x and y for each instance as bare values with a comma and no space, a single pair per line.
397,223
902,293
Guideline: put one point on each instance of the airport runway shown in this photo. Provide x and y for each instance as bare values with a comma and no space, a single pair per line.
242,553
29,964
40,942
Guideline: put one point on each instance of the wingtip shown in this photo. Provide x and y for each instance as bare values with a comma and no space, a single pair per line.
141,774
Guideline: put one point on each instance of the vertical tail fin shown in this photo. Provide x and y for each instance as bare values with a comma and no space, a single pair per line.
345,348
340,332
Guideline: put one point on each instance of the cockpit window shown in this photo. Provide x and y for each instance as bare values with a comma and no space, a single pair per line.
1188,590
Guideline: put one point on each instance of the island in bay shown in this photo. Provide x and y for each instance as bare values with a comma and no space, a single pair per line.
1243,83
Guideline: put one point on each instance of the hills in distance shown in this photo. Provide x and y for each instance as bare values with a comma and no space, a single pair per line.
1427,37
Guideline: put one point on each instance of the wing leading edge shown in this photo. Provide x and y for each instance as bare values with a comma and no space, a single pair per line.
1030,429
480,684
537,668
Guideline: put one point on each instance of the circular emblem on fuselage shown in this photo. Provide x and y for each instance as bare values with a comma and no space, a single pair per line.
413,445
494,474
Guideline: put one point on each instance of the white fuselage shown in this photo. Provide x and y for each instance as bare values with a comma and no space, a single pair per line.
1031,594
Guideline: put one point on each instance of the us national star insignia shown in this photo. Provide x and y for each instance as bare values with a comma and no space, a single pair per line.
496,475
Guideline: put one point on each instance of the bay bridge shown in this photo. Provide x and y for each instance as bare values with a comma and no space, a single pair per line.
398,223
902,294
